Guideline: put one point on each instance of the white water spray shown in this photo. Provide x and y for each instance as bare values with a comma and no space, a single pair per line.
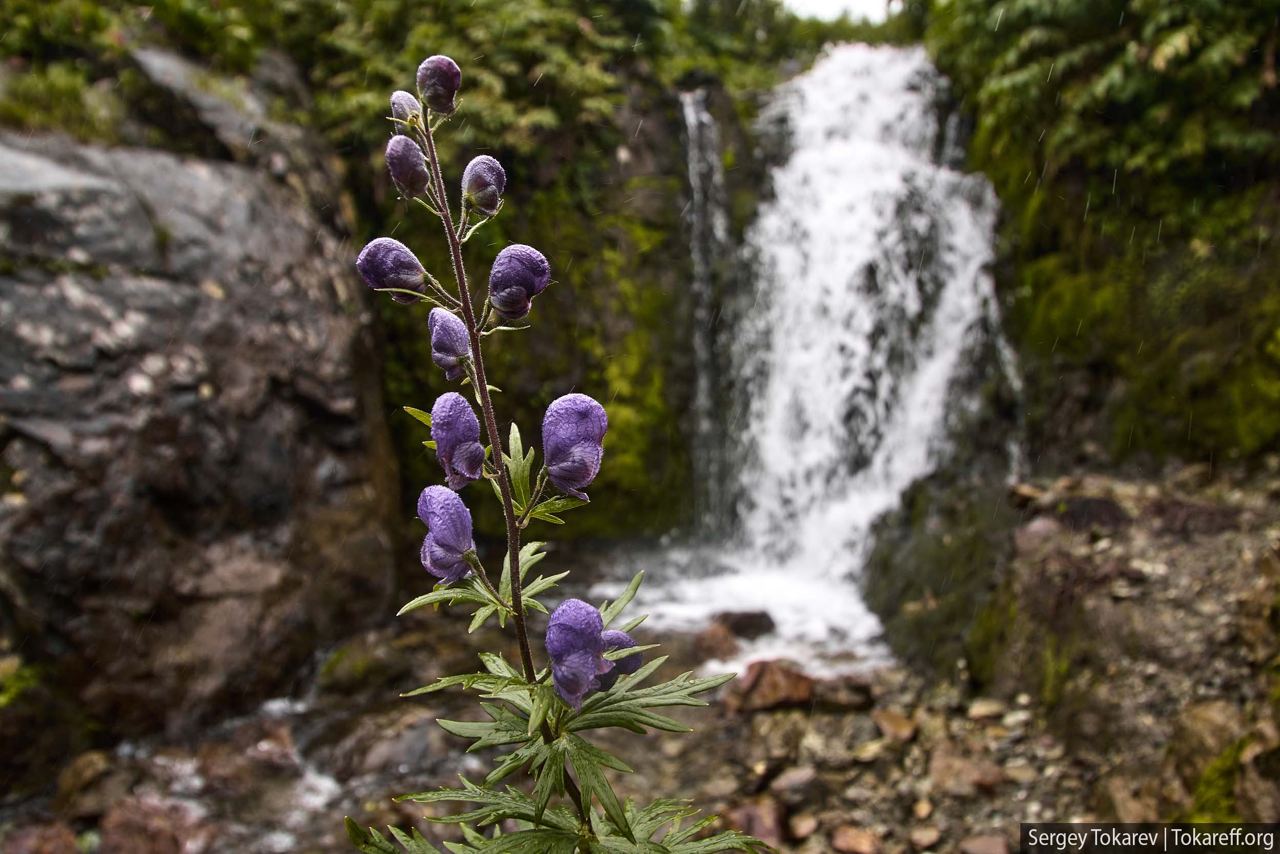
872,295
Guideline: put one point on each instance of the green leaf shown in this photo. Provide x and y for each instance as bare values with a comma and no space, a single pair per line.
519,464
372,842
547,510
424,417
587,762
616,654
631,625
542,702
449,595
610,610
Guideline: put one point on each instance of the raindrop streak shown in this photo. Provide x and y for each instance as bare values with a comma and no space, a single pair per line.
845,362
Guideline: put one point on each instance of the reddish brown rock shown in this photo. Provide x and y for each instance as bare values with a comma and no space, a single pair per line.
855,840
715,642
894,725
41,839
761,818
984,844
770,685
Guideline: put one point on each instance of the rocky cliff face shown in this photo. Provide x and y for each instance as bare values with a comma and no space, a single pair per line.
192,452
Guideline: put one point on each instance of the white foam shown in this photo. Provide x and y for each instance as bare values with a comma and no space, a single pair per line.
848,374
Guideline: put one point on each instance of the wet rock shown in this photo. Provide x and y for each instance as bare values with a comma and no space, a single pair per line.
715,642
894,725
984,844
1036,534
1086,512
1192,519
962,776
769,685
849,839
923,838
149,825
796,786
845,693
198,506
803,825
986,707
1202,733
748,625
761,818
40,839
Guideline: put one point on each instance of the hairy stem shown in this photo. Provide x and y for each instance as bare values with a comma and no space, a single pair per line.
495,440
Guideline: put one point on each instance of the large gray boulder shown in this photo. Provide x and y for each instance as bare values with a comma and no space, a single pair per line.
193,462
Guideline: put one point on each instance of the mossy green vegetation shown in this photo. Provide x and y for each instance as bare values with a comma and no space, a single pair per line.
1214,795
566,92
1134,146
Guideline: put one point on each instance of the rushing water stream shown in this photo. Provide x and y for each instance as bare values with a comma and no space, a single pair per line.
872,294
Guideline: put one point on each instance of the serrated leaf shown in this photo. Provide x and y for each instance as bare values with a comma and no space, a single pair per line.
594,784
424,417
543,583
542,702
610,610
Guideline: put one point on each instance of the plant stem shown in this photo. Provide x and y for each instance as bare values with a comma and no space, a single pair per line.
481,384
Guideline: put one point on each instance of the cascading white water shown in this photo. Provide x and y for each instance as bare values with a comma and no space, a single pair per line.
708,228
871,296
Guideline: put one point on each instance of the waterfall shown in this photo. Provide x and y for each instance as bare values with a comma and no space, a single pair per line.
872,298
708,229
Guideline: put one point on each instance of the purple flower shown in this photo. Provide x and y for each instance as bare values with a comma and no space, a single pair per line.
519,274
449,344
403,107
482,184
572,435
388,263
457,435
408,166
576,648
614,639
448,533
438,81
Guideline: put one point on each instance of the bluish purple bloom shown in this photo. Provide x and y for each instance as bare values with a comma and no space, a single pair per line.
457,435
576,648
483,181
403,107
439,79
449,344
408,166
614,639
572,442
519,274
388,263
448,533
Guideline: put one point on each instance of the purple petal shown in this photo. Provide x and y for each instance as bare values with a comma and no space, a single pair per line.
388,263
408,166
448,520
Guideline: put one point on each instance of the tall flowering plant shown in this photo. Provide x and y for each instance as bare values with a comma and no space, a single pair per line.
594,675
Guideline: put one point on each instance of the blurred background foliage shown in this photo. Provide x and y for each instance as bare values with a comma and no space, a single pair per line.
576,98
1134,145
1137,249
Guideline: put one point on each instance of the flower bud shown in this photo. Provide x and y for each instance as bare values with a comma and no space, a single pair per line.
449,344
482,184
408,166
388,263
518,275
572,442
448,538
625,666
404,107
456,431
576,649
438,81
